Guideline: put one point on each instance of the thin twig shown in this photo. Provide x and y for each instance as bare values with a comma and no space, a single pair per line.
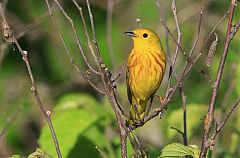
167,45
8,123
120,73
184,116
86,32
9,37
213,30
110,6
174,10
181,85
171,91
148,108
206,40
198,32
235,29
108,83
168,95
93,29
37,21
101,152
76,37
138,20
101,66
231,86
178,130
69,54
225,119
189,60
135,139
210,114
123,131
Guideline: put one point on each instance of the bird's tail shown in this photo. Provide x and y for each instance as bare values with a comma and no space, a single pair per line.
137,111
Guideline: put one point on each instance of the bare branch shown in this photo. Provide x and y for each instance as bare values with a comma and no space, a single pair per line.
178,130
133,137
209,117
138,20
9,37
171,91
70,56
76,37
198,32
101,152
93,29
86,32
8,123
174,10
235,29
213,30
184,115
110,90
110,6
225,119
231,86
120,73
189,60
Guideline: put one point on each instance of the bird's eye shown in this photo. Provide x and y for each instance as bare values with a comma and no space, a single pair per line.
145,35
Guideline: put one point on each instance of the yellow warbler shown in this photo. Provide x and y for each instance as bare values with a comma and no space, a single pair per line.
145,70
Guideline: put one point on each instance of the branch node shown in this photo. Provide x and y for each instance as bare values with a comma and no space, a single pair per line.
7,33
33,89
94,42
160,115
159,111
212,143
102,65
25,52
138,20
214,84
88,72
48,113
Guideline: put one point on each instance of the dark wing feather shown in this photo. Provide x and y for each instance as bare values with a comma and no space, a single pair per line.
129,93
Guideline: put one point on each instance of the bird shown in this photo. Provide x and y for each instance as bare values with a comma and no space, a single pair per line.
145,70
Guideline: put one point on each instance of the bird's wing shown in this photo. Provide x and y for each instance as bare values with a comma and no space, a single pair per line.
128,87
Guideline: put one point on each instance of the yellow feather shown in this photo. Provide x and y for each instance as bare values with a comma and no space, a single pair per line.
145,70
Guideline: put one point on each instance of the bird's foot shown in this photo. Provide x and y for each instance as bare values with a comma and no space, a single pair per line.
138,122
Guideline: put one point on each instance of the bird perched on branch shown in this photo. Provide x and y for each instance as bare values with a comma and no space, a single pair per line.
145,70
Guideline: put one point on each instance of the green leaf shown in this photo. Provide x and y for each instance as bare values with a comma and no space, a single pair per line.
195,112
74,115
15,156
74,101
175,150
39,154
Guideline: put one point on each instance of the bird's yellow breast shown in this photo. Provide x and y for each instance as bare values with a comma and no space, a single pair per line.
146,68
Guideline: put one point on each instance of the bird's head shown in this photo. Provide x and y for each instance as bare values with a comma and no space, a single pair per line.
143,38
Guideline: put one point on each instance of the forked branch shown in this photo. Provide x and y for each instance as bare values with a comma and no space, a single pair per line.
210,114
10,38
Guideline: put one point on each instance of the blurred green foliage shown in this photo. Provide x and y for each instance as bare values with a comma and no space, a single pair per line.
84,119
179,150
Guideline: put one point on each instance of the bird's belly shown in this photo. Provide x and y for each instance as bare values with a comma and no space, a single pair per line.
146,82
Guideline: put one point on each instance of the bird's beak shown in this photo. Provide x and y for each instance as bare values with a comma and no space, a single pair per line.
130,34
